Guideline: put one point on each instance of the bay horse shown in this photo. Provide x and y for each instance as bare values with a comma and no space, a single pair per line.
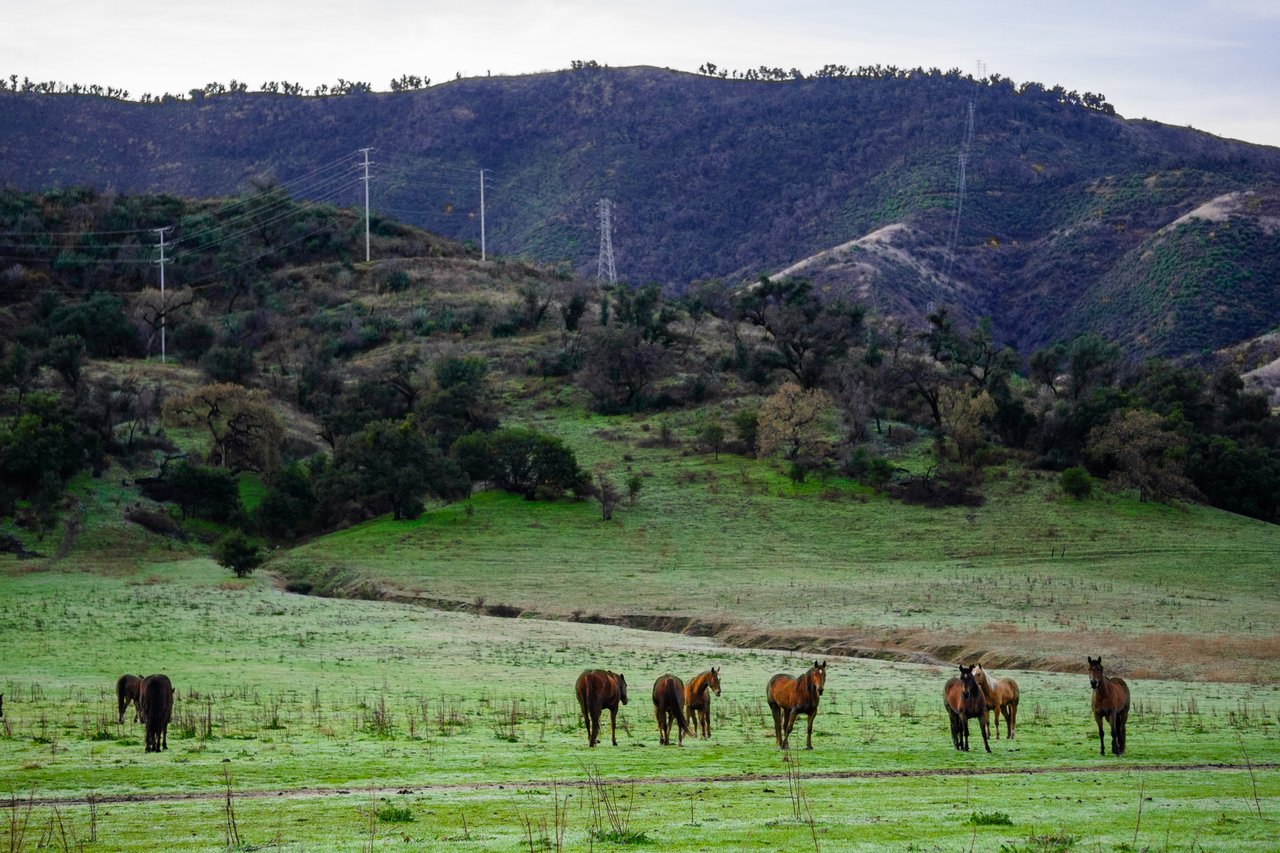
599,689
1110,700
964,700
155,701
697,700
668,707
790,697
1002,698
127,687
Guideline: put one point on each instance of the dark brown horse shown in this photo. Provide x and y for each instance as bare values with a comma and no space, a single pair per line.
964,700
599,689
697,700
155,703
668,707
790,697
1110,700
127,687
1002,698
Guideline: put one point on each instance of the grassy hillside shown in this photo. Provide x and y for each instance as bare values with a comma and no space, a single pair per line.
724,179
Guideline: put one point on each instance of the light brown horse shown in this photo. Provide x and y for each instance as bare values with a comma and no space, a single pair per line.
1110,700
599,689
963,699
790,697
155,699
1002,698
668,702
127,687
697,700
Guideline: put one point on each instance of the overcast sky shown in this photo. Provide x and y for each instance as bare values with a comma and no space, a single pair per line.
1210,64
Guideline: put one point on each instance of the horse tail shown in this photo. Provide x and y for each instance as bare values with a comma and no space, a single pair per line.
120,694
675,699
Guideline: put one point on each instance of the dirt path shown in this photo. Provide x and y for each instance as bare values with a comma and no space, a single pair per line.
821,776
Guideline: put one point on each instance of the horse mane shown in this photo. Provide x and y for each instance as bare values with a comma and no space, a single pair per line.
989,680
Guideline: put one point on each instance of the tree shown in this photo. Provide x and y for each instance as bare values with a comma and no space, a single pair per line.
154,311
288,508
792,421
807,336
199,491
712,437
963,414
522,461
1144,455
390,465
607,495
244,431
238,553
621,368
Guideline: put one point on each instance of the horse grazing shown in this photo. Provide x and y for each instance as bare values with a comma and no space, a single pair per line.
1110,700
1002,698
964,700
790,697
668,707
599,689
127,691
697,700
155,703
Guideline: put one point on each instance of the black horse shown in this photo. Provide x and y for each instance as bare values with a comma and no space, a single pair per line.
155,699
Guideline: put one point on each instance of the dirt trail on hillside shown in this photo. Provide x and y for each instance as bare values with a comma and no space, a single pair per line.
524,784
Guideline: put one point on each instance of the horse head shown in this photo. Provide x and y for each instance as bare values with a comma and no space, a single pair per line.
622,688
1095,672
967,681
819,675
714,681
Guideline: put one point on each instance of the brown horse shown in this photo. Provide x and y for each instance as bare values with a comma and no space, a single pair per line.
127,691
668,701
963,699
1002,698
155,701
599,689
790,697
697,700
1110,700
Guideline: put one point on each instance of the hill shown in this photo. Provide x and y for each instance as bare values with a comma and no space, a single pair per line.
1073,219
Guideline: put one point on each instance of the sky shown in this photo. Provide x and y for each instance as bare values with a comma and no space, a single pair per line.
1209,64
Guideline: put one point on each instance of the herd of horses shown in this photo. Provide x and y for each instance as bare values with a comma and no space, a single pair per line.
974,693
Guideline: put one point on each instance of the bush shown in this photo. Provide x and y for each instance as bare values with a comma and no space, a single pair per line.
1076,482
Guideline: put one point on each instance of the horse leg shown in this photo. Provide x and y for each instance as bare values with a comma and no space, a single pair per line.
1102,741
706,718
982,724
593,727
964,732
662,740
777,724
788,723
1123,717
1010,714
613,725
808,737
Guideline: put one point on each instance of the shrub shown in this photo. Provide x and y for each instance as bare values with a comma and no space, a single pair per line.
1076,482
238,553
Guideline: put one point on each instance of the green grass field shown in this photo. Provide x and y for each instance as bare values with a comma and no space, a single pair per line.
301,698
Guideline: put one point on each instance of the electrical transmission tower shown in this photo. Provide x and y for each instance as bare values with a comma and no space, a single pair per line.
960,188
605,270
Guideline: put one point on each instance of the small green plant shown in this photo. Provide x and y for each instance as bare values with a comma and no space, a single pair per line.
989,819
238,553
395,814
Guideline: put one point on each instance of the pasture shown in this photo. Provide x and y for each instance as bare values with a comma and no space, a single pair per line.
345,724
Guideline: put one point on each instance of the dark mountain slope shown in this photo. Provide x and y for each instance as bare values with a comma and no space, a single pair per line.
718,178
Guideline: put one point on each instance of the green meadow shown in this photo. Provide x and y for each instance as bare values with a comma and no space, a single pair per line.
346,724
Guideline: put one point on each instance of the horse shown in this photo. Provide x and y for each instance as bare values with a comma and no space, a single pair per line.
697,700
790,697
127,691
1110,700
668,702
1002,697
599,689
964,700
155,701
